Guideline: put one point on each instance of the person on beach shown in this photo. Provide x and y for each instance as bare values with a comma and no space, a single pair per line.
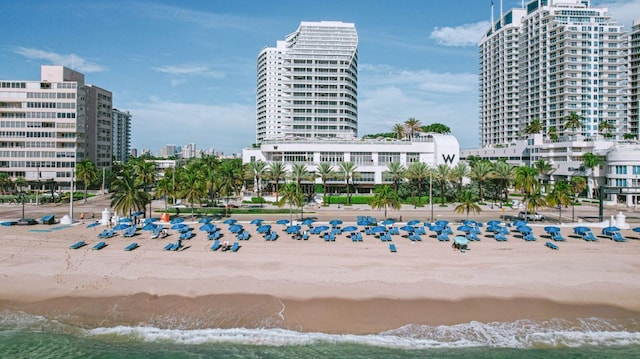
82,217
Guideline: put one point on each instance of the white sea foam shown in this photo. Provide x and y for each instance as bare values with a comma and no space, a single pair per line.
520,334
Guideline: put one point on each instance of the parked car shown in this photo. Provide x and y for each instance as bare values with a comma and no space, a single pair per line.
531,216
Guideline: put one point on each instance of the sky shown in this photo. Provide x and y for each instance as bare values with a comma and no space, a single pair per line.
186,70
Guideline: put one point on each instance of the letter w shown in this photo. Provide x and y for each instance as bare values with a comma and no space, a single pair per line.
448,158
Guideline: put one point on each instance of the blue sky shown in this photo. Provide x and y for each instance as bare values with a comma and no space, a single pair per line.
186,70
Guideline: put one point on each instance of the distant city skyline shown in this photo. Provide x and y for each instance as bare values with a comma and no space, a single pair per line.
187,73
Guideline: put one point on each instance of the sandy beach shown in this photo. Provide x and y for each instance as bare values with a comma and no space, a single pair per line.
313,285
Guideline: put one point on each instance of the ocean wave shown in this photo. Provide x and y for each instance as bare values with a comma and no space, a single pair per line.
519,334
523,334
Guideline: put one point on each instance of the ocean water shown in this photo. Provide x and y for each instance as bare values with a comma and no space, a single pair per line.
28,336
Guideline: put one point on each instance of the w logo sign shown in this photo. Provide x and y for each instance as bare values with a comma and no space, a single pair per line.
448,158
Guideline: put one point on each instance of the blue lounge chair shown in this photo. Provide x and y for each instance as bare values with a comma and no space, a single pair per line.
617,236
392,248
130,232
78,245
216,245
472,236
529,237
235,247
99,246
169,246
305,236
551,245
500,237
131,247
443,237
557,236
589,236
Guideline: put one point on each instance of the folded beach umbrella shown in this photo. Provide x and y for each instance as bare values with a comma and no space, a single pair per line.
230,221
256,221
608,230
235,228
408,228
177,220
413,222
121,226
335,222
465,228
551,229
350,229
264,228
93,224
282,221
387,222
378,229
204,220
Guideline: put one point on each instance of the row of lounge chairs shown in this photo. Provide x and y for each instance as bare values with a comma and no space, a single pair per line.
217,245
356,237
243,236
107,233
271,236
98,246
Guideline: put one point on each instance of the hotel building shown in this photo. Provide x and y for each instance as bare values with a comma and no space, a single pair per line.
307,86
571,57
121,135
634,78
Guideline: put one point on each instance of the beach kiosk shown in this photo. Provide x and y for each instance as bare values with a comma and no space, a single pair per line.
461,243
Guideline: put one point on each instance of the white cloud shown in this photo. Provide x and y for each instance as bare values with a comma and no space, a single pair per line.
72,61
157,123
624,11
463,35
180,73
389,95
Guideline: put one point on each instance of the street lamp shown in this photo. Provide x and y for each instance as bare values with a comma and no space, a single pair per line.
22,195
431,193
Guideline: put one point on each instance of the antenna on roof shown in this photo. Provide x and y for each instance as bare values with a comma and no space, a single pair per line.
492,15
500,10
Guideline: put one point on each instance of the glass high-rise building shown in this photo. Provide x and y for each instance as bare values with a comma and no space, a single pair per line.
634,79
571,57
307,86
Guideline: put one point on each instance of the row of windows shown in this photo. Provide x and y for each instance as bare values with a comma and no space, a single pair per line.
56,95
13,85
42,164
23,134
622,170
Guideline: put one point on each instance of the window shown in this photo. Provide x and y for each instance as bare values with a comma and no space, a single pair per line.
388,157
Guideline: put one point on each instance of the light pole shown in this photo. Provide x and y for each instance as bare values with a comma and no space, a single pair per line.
22,195
431,193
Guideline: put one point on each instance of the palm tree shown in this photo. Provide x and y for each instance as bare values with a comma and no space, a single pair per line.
347,171
605,127
257,170
553,133
591,161
395,171
164,188
458,174
534,127
417,172
544,168
276,172
535,200
385,197
412,126
325,172
146,173
126,195
292,196
526,181
578,185
211,164
399,130
19,183
193,184
467,203
504,173
481,173
443,177
230,176
573,121
87,172
299,172
560,196
5,181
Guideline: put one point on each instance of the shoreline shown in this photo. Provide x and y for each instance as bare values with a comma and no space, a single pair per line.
323,315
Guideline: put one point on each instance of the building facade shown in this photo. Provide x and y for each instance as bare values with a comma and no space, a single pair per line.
634,78
307,86
121,131
571,58
371,157
99,104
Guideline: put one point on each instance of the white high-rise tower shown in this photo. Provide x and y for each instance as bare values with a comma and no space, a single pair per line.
307,85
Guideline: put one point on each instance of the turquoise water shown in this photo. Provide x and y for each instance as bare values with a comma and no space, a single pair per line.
27,336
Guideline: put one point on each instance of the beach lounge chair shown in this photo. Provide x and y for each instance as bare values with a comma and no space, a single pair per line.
215,235
305,236
168,247
235,247
392,248
500,237
78,245
529,237
99,246
589,236
131,247
130,232
443,237
557,236
216,245
551,245
617,236
472,236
